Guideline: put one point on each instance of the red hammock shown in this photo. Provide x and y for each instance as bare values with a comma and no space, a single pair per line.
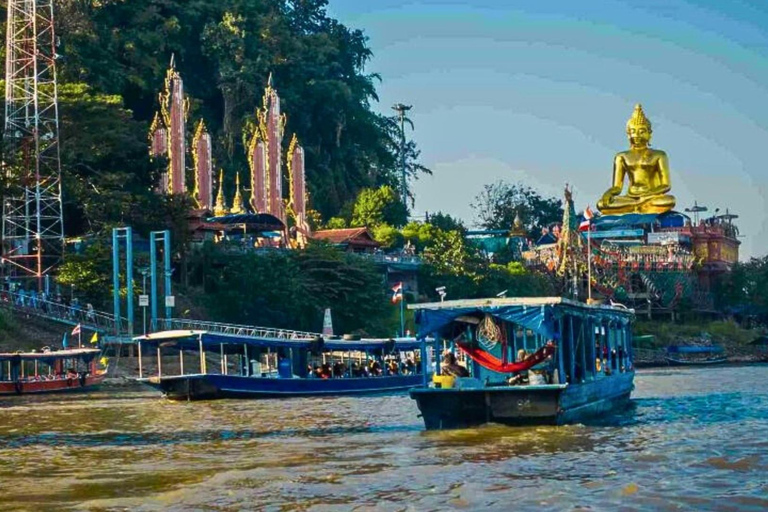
486,360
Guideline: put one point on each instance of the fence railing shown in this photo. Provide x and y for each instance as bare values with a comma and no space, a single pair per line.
240,330
88,318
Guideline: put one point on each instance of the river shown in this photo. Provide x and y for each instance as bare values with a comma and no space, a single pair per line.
694,439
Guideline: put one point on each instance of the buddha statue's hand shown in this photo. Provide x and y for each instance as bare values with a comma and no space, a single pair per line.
609,195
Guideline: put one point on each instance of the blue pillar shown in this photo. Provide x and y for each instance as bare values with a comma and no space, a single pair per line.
116,278
129,276
153,281
167,268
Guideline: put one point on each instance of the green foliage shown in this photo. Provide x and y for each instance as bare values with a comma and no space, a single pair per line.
387,236
742,292
292,289
379,206
446,222
336,223
498,203
450,254
668,333
89,274
225,51
420,234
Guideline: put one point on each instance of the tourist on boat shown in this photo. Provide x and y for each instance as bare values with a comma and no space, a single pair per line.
339,369
520,378
451,367
393,367
537,378
374,368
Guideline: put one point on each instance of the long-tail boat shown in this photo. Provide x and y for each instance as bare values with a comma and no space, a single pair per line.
689,355
197,365
50,371
577,359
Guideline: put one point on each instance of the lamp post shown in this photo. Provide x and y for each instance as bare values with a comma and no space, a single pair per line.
144,298
401,109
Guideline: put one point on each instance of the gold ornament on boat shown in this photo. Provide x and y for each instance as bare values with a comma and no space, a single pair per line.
647,172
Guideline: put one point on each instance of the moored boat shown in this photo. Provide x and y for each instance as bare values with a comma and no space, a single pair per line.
578,359
197,365
689,355
50,371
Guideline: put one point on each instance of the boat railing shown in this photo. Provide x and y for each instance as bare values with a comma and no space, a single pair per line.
87,317
234,329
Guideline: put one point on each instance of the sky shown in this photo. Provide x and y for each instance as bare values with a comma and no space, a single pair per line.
539,92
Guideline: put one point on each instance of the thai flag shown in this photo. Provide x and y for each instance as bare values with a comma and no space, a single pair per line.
76,330
585,224
397,293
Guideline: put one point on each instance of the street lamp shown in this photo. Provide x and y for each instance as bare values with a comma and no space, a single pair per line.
401,109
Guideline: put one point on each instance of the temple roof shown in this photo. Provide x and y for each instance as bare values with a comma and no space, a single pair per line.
359,236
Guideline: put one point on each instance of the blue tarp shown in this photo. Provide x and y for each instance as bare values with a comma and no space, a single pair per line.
677,349
665,220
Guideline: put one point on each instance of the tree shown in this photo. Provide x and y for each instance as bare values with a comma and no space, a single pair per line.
498,204
379,206
446,222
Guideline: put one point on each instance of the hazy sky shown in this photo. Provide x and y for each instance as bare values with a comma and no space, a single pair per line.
540,92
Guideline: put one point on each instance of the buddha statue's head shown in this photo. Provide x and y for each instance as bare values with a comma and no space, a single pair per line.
639,129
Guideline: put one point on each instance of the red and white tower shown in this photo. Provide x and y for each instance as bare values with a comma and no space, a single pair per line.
33,229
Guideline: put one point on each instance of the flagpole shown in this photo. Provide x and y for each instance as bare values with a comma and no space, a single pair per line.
80,337
402,315
589,264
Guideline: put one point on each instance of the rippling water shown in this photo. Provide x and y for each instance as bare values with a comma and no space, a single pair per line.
694,439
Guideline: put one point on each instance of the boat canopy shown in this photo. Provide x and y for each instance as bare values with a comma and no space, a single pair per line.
190,340
85,354
538,314
682,349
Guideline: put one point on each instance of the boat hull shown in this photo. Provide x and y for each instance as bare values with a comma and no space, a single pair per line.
672,361
214,386
25,387
522,405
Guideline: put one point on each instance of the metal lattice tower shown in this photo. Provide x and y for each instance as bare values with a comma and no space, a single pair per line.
33,235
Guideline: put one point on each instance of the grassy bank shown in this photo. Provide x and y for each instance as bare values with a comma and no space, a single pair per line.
727,333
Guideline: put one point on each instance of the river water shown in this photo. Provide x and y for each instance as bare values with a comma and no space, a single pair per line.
694,439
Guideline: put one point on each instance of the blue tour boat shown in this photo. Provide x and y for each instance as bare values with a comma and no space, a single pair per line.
195,365
576,364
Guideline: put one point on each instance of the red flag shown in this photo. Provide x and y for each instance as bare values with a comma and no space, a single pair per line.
76,330
585,224
397,293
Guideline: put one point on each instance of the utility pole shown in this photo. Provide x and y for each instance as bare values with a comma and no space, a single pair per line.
401,110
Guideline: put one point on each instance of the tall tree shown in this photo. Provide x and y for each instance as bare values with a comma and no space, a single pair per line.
498,204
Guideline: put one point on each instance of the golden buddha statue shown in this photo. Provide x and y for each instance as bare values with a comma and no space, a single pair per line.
646,169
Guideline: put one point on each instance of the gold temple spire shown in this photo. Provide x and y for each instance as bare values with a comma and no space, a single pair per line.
237,204
220,208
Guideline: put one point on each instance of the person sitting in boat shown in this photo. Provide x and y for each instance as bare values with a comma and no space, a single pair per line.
519,378
451,366
410,366
339,369
374,368
325,371
537,378
393,367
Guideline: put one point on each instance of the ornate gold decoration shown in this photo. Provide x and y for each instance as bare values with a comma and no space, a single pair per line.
220,208
646,169
199,132
518,229
237,204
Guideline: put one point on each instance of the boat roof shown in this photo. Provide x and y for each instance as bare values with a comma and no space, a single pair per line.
51,354
483,304
535,313
190,339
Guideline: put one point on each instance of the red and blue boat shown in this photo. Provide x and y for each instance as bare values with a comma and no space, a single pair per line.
50,371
